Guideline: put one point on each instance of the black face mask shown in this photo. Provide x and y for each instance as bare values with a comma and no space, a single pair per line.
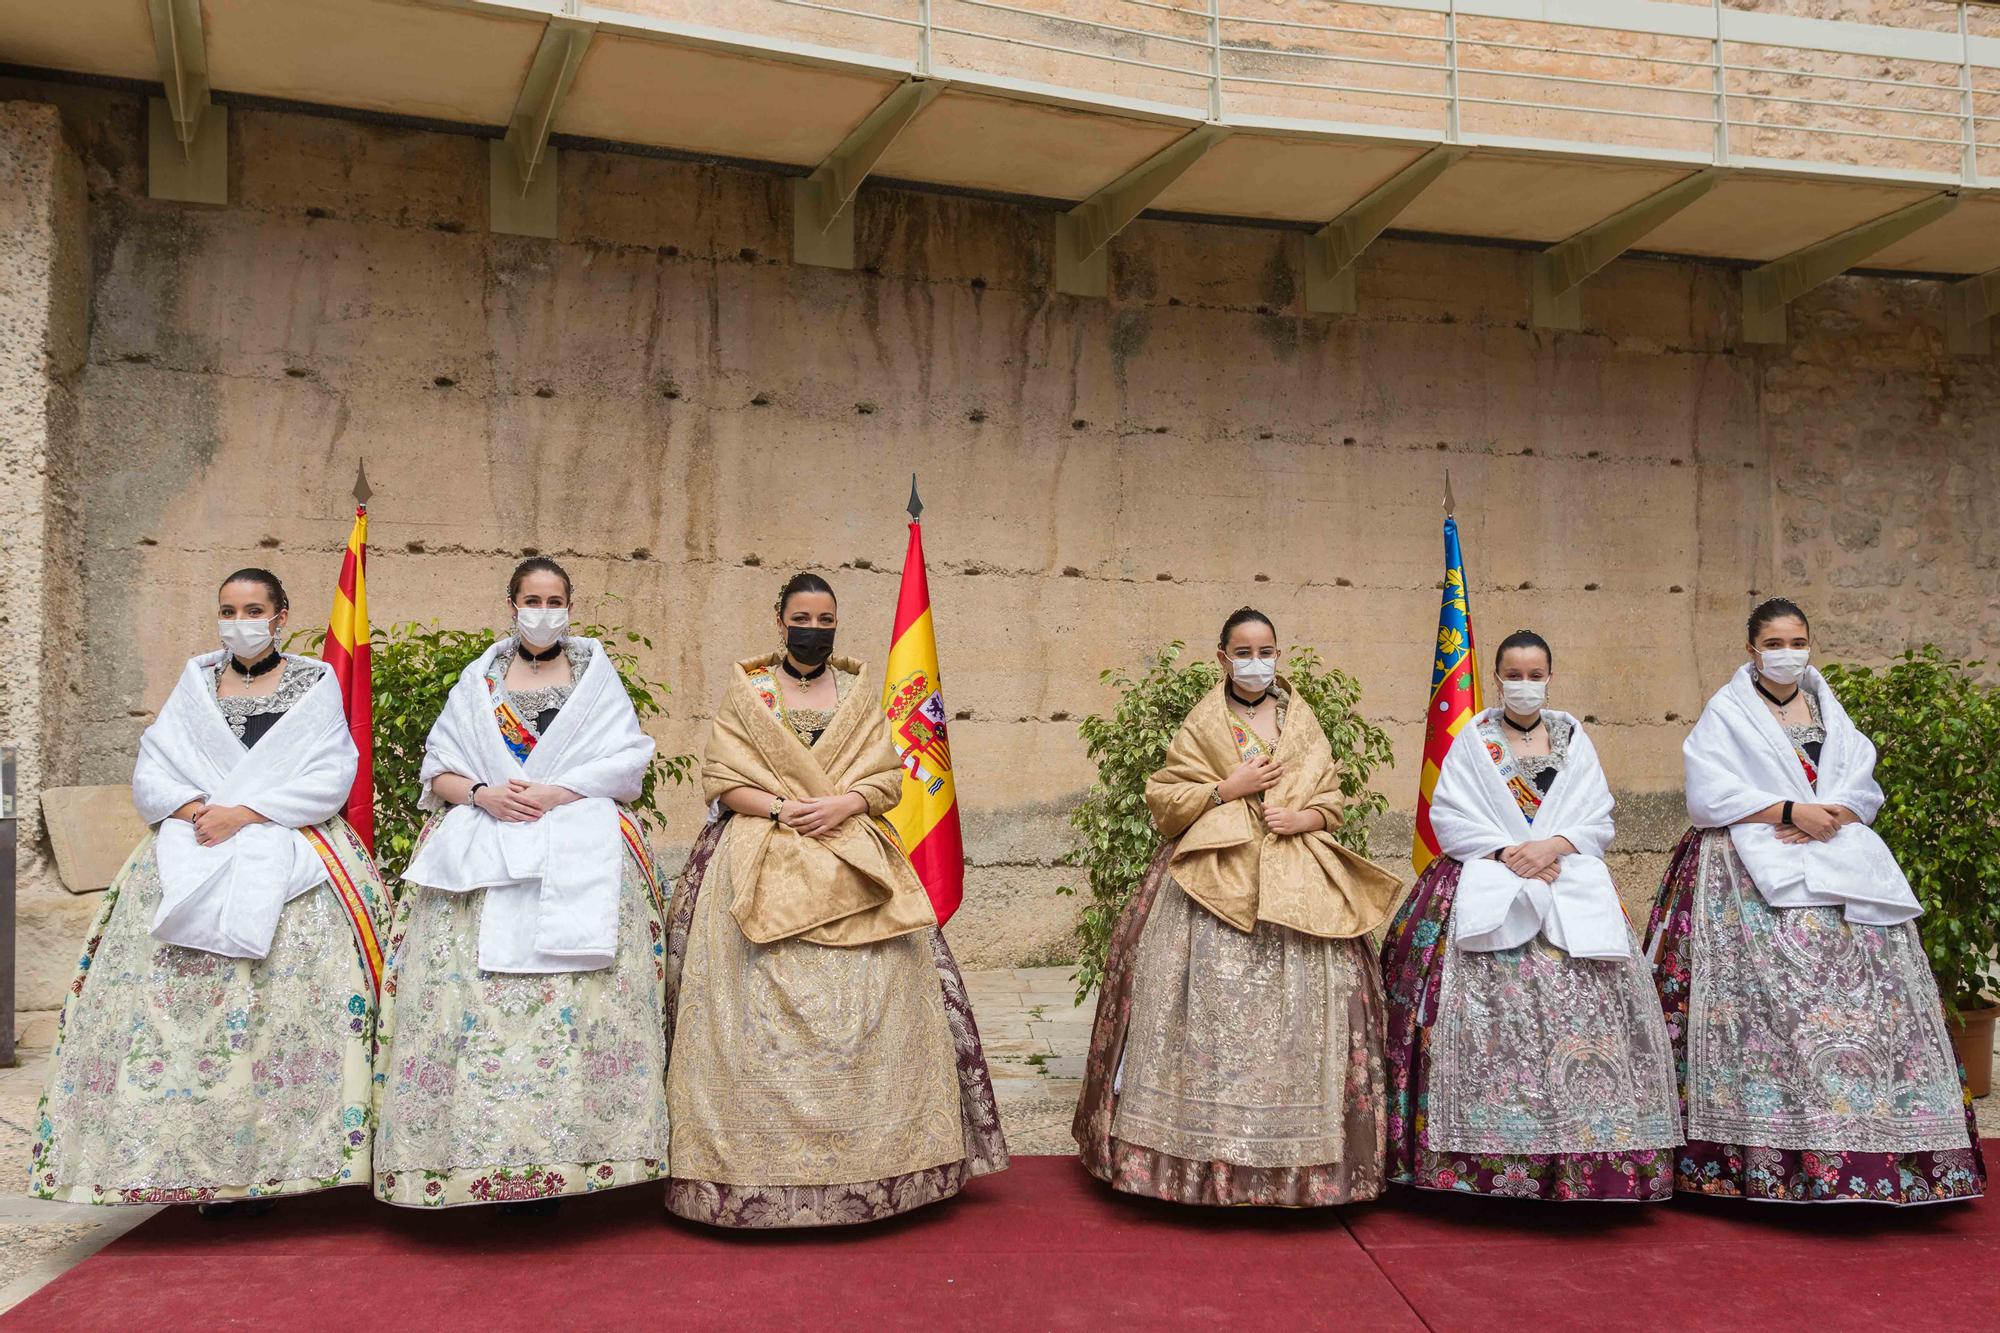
809,644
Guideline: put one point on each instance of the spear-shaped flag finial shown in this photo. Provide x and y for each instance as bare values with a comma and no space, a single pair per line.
361,489
1450,509
916,503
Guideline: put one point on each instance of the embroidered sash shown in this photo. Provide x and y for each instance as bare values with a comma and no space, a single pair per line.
635,842
355,901
1525,793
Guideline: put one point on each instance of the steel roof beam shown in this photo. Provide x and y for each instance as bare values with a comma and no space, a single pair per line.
1332,250
521,194
1769,291
1557,300
187,135
823,203
1082,267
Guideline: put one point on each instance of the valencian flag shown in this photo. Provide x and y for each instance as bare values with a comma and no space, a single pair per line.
926,819
347,653
1454,686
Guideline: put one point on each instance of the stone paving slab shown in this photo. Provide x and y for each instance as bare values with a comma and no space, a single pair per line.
40,1239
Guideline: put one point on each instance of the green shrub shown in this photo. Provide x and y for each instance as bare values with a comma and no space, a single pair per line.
1937,730
415,665
1115,834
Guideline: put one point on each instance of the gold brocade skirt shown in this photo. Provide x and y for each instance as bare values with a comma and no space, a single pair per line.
811,1086
1233,1068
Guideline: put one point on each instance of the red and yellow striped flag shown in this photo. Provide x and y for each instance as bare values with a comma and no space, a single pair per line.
1454,690
347,653
927,817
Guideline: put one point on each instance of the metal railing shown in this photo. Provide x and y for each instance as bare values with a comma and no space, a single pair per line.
1666,80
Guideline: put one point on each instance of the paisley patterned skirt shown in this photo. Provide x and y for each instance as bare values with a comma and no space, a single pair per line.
497,1087
814,1086
1812,1056
1560,1083
181,1076
1232,1069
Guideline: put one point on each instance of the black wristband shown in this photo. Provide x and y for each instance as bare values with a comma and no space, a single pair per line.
1787,818
472,797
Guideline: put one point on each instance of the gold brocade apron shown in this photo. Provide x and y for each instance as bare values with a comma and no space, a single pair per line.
1238,1044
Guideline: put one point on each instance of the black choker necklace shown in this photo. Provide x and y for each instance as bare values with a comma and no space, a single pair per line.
1525,731
258,667
803,678
553,651
1776,702
1247,703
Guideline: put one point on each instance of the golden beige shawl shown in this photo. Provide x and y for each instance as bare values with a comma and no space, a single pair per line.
1236,868
854,886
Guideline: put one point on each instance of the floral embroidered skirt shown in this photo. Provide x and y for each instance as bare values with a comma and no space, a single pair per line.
1522,1072
1228,1068
181,1076
1812,1056
813,1086
496,1087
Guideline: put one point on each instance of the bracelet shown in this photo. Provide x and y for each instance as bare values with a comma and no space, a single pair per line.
1787,817
472,797
1215,794
777,808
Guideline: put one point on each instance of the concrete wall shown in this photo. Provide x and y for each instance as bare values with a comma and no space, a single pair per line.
664,402
43,336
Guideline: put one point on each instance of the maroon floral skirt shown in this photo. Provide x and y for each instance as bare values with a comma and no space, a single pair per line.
1783,1175
1413,976
772,1206
1134,1169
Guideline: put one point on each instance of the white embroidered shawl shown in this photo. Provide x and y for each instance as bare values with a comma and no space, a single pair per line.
1740,761
226,899
552,884
1474,815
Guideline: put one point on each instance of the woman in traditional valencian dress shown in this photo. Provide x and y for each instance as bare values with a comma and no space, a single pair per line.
1527,1055
1237,1052
1815,1063
215,1043
825,1068
520,1058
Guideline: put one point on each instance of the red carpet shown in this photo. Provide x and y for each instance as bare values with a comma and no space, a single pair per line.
1044,1247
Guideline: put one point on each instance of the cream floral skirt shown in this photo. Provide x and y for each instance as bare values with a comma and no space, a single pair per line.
496,1087
184,1077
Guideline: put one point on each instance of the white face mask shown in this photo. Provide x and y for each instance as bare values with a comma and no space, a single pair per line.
1253,675
1784,665
248,640
540,626
1524,696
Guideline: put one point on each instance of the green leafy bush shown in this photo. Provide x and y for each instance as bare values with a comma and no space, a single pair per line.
1937,729
415,665
1115,834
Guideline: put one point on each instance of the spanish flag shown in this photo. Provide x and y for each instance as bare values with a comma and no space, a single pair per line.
1454,698
347,653
927,817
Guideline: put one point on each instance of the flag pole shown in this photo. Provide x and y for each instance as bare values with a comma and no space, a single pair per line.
916,505
1450,510
347,651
